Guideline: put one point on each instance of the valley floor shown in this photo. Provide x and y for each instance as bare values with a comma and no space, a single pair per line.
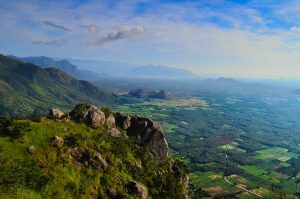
260,134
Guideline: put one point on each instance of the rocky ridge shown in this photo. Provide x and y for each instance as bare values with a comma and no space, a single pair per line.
89,153
148,132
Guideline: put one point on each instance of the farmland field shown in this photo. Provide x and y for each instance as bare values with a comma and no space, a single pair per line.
250,137
260,149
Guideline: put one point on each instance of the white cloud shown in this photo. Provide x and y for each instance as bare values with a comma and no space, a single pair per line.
180,36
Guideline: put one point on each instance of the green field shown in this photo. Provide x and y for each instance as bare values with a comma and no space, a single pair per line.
201,129
277,153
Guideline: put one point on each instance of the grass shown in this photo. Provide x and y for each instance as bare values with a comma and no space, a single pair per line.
52,172
209,179
256,171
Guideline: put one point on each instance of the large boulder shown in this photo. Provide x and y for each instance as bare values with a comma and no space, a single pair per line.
55,113
110,121
122,120
137,189
115,133
149,134
88,114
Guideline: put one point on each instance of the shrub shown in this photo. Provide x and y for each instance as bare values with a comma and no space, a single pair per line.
13,129
23,173
106,111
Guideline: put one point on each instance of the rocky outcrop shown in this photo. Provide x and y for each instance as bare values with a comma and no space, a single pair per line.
149,134
122,120
137,189
55,113
89,114
80,156
115,133
185,183
110,121
57,141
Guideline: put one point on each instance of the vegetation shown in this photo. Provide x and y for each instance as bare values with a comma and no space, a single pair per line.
53,172
25,87
260,135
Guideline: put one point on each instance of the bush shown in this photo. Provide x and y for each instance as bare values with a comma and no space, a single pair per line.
23,173
106,111
5,122
12,129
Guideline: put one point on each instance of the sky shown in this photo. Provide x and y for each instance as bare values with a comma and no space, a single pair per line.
234,38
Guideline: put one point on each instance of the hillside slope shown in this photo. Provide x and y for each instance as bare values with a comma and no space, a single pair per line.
64,65
61,158
24,87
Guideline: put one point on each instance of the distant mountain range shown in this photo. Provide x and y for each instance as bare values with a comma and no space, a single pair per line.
24,86
64,65
131,70
85,69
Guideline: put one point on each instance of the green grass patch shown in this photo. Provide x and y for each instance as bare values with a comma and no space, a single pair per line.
273,153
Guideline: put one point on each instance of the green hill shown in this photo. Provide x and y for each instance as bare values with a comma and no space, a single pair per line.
24,87
64,65
61,158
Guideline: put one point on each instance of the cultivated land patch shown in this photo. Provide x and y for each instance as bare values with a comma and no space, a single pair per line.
256,171
273,153
168,127
216,191
208,179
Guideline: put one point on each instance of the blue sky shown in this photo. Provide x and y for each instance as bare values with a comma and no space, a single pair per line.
238,38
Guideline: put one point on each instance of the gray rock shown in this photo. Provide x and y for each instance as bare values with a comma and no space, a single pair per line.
31,150
99,158
122,120
55,113
150,134
57,141
80,156
89,114
95,118
137,189
115,133
110,121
